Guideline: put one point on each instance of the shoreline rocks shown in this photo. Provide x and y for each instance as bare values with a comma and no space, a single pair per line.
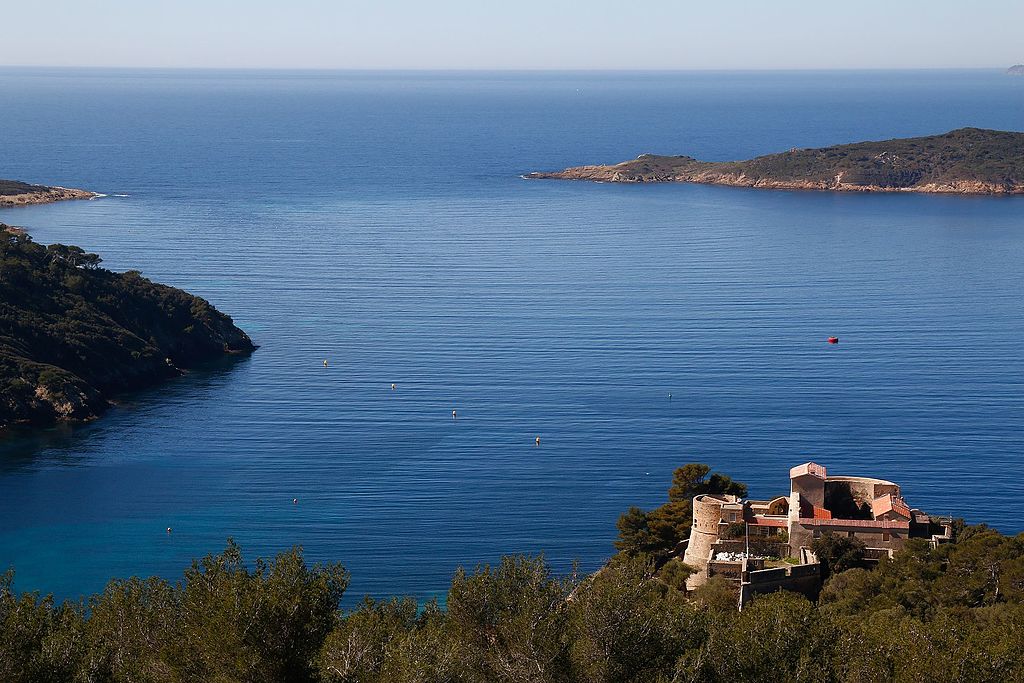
16,193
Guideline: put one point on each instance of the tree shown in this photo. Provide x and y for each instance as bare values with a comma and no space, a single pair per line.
76,257
692,479
508,620
674,574
363,641
261,625
39,641
635,536
768,641
660,531
626,625
837,553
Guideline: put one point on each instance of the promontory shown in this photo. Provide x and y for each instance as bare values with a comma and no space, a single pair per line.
963,161
73,334
17,193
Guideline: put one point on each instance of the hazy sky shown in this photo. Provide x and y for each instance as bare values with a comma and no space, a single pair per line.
514,34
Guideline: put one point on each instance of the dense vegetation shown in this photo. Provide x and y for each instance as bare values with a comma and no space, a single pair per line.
73,333
952,613
964,160
9,187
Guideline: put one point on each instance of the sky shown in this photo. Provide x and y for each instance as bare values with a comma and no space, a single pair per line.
514,34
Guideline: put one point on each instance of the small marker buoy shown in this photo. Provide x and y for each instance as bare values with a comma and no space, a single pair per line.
295,501
392,386
168,529
670,397
453,414
325,362
833,340
537,440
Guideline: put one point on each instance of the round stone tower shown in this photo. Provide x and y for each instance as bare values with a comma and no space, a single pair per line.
707,517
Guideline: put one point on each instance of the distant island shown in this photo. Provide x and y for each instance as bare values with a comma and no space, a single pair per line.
73,334
963,161
17,193
1016,70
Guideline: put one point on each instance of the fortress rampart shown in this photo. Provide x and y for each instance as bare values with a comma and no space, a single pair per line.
871,510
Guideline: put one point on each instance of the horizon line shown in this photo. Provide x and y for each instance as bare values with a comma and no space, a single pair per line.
332,69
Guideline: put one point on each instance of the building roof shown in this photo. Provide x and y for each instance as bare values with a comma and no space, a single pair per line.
808,468
780,522
889,503
857,523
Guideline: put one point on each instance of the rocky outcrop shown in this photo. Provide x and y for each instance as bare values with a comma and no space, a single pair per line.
965,161
1016,70
73,335
16,193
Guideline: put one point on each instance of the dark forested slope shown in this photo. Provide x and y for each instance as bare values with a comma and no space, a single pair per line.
73,333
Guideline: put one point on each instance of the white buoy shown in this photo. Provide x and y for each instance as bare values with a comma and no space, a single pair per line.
168,529
325,362
392,386
295,501
453,414
538,440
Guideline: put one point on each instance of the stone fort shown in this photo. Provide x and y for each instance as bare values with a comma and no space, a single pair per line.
872,510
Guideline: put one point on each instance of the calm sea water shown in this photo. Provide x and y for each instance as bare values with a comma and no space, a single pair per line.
379,221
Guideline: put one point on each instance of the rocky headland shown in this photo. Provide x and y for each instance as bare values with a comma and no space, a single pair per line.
1016,70
17,193
963,161
73,334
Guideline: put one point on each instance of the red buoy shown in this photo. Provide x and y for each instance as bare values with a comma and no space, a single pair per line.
833,340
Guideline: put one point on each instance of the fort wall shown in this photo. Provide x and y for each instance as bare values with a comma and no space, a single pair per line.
804,579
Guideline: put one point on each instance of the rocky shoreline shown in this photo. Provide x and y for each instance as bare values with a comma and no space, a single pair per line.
611,174
74,335
967,161
16,193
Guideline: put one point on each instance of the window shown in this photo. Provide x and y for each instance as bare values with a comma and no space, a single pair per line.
817,533
885,535
850,534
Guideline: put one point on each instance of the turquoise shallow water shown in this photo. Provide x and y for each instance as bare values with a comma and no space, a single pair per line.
379,221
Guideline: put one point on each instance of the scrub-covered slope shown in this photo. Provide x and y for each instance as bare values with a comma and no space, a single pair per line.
72,333
965,161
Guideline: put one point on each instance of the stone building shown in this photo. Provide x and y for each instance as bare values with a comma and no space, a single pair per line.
872,510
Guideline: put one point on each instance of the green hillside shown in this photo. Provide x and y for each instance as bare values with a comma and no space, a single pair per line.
72,334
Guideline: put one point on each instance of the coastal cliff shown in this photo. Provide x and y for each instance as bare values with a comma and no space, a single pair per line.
964,161
17,193
73,334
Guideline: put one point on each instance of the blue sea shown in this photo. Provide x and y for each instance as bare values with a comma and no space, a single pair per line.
379,221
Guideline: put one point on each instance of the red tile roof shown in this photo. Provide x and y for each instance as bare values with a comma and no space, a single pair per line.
768,521
857,523
889,503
